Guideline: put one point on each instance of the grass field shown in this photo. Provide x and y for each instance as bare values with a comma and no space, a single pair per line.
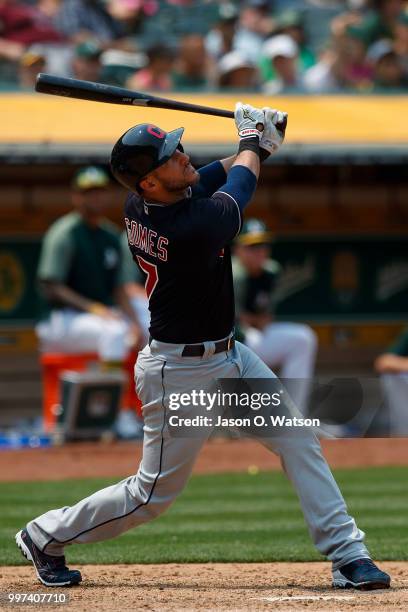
228,517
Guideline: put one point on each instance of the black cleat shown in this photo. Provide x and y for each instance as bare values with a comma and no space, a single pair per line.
51,571
362,574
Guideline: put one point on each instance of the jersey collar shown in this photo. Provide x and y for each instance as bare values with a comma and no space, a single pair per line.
147,205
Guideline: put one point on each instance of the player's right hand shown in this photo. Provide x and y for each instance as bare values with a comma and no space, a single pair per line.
273,134
100,310
249,120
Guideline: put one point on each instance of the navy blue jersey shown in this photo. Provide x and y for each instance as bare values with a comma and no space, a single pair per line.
183,251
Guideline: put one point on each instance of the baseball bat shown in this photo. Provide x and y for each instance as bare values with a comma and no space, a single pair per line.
98,92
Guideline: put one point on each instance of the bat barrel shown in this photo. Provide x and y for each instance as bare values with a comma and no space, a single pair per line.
83,90
99,92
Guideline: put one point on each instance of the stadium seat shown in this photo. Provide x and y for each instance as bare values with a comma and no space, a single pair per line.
53,364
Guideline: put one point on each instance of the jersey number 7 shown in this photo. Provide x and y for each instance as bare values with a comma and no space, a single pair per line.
152,277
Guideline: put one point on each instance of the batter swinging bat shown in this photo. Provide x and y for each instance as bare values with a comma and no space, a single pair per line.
98,92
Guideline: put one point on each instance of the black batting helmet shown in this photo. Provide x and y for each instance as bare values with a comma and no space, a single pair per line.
140,150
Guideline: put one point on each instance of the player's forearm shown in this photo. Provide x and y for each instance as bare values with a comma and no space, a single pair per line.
389,363
56,292
248,159
134,290
227,162
122,300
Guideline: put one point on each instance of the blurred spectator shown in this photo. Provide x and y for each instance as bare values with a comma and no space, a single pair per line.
20,26
119,65
219,39
323,77
86,63
80,276
235,72
254,26
156,74
290,23
350,69
191,70
30,65
177,19
343,66
401,40
83,19
380,22
387,66
58,57
126,30
26,24
282,51
131,14
357,73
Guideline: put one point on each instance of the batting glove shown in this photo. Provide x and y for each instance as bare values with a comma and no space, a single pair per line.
249,120
273,134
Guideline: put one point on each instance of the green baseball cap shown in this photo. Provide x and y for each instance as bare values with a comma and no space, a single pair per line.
90,177
254,231
89,49
289,19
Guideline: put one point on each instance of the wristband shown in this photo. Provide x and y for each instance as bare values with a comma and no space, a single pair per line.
249,144
251,132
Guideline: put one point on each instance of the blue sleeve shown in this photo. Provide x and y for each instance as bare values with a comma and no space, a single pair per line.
221,215
212,176
240,185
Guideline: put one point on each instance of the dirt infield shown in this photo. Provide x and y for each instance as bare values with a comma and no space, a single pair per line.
87,460
237,587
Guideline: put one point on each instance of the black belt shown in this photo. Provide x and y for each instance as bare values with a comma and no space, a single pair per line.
197,350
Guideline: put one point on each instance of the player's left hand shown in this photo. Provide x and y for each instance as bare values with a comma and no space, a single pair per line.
275,123
249,120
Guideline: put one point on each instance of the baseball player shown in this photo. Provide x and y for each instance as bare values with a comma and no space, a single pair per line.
289,346
392,366
180,224
87,307
79,274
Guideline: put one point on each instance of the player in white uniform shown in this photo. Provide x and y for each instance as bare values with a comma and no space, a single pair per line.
289,346
79,272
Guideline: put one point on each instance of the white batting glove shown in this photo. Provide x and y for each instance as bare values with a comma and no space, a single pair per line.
273,134
249,120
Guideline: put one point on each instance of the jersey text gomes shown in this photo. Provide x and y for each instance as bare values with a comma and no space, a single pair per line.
146,239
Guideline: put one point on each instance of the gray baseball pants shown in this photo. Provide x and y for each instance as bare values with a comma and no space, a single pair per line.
168,461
